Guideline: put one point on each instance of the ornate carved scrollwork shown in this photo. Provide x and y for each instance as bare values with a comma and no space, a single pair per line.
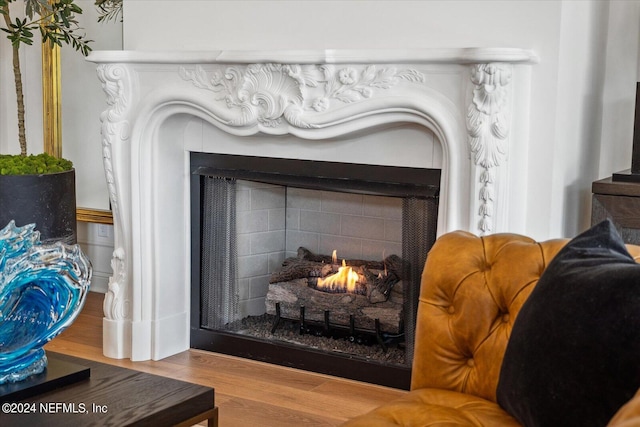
116,304
488,130
269,94
114,126
115,129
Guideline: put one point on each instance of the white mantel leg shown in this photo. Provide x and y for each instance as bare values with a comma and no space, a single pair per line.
488,129
115,139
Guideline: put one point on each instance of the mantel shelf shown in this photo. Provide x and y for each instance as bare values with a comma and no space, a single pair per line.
322,56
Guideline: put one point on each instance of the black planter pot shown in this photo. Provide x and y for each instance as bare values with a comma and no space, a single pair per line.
47,200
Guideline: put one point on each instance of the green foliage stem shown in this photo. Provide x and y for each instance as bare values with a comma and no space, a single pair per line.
55,21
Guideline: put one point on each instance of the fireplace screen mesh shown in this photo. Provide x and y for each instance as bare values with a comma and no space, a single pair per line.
219,254
419,223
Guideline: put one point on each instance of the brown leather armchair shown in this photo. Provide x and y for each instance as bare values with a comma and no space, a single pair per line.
472,290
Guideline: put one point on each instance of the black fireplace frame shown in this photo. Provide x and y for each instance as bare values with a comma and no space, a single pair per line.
318,175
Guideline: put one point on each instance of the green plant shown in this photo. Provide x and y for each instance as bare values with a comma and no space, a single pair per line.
56,22
32,164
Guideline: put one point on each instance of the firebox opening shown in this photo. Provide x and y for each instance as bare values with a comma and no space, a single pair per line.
314,265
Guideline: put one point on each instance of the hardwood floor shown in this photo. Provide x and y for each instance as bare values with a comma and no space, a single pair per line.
248,393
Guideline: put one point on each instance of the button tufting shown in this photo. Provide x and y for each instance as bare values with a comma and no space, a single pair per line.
505,318
471,363
451,310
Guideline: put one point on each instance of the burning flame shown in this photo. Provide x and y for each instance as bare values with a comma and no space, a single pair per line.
342,281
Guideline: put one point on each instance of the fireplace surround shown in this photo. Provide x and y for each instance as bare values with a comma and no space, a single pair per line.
473,101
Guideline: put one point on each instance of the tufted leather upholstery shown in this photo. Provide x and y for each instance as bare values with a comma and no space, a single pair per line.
628,415
471,292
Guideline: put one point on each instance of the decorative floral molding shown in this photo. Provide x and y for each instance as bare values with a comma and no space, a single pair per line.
116,305
115,128
267,94
488,129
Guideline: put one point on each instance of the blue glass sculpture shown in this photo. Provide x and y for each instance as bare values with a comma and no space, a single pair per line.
42,289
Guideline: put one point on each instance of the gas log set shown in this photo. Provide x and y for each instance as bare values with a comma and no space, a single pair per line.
359,300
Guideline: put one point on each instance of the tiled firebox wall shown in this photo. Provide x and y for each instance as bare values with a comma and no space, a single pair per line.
274,221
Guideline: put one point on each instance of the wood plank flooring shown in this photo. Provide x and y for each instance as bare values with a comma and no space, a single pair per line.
248,393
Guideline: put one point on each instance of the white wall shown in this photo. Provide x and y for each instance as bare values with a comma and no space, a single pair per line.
595,103
577,107
82,102
618,101
96,241
583,87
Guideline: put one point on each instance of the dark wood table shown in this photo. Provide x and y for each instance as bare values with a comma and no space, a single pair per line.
114,396
619,201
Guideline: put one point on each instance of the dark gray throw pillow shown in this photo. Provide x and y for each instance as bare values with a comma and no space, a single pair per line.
573,358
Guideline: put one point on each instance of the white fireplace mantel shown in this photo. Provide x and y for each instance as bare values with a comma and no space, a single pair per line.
474,100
